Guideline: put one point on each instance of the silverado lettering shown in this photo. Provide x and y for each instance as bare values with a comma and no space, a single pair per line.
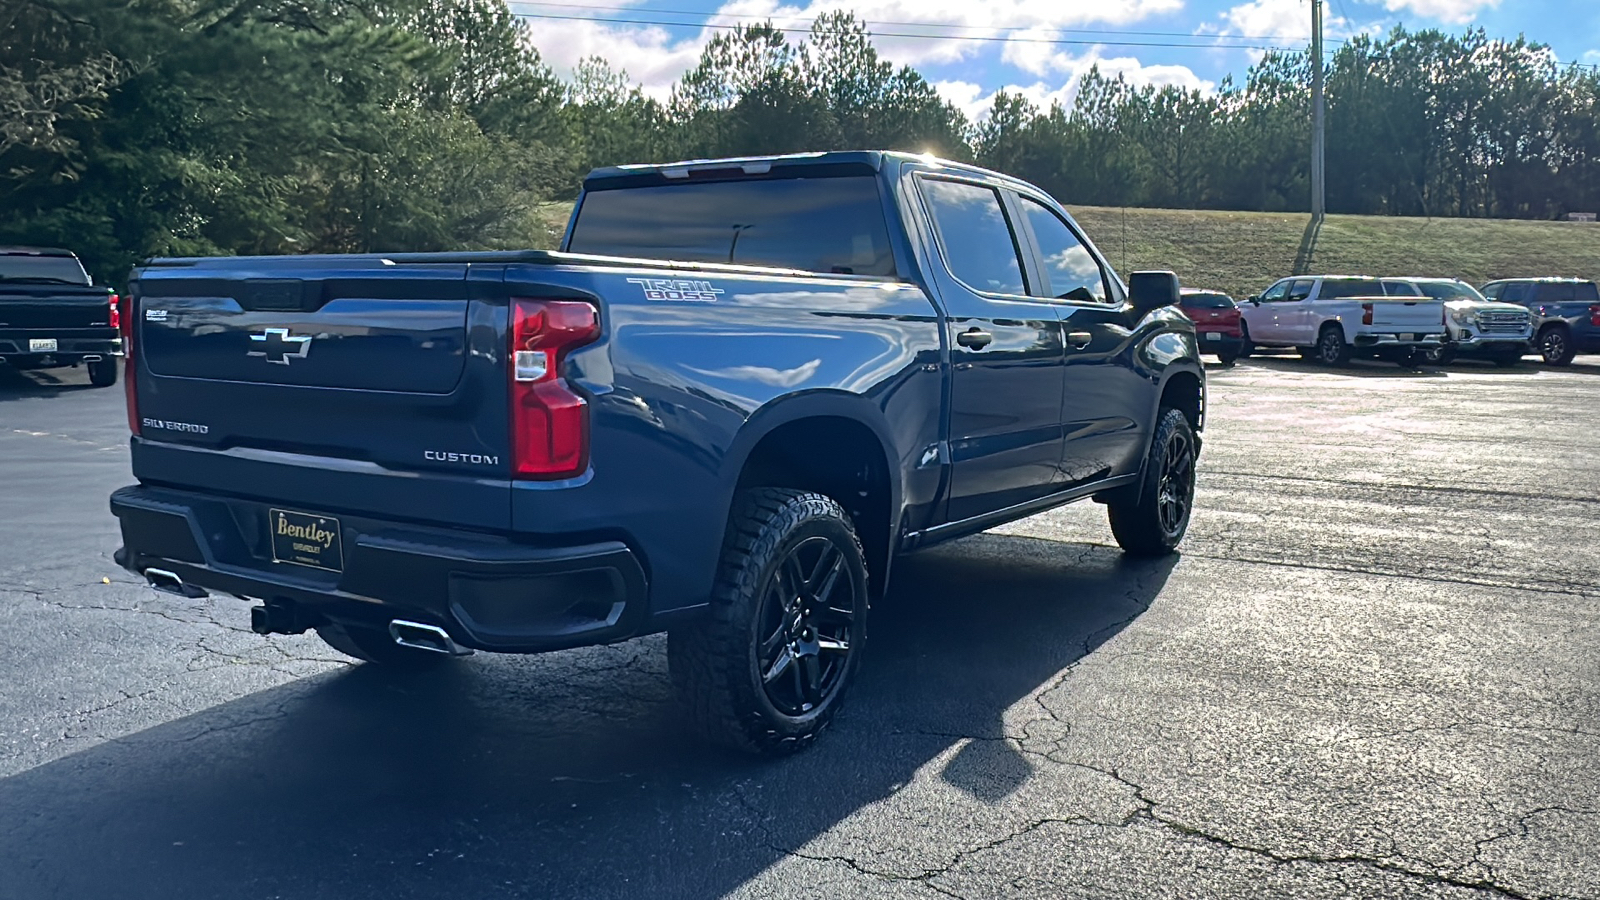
731,399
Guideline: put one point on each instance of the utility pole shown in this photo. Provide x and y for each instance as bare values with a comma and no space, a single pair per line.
1318,181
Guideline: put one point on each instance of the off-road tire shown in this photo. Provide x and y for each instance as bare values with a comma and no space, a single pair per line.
375,645
1136,514
1228,359
1331,348
1555,345
715,661
102,373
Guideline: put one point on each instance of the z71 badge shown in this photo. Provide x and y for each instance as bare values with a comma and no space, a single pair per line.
679,291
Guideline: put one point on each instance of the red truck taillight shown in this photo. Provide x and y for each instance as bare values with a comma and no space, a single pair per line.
549,422
123,319
1366,313
1594,315
116,314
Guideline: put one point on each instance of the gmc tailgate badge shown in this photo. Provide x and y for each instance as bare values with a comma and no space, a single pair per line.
277,346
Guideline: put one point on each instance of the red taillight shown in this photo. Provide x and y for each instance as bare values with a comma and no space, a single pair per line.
116,315
549,422
1366,313
1594,315
130,364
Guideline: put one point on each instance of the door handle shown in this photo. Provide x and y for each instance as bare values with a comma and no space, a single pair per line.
1079,339
974,338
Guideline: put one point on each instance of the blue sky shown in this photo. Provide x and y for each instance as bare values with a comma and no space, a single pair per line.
1050,42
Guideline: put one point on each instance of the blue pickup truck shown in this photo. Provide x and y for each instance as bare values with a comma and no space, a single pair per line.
740,390
1566,313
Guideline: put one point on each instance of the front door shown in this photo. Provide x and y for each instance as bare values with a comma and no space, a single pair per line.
1006,354
1105,400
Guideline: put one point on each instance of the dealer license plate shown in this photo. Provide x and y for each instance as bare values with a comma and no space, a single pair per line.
306,540
1408,336
41,345
1213,335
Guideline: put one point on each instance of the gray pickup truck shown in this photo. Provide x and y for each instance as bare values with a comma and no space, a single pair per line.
742,389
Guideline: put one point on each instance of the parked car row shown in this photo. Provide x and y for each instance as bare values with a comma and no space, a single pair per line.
1409,321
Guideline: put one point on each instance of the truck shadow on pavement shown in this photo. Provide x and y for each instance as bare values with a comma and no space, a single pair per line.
564,775
15,384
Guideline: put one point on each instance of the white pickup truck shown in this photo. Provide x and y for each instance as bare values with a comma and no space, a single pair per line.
1333,318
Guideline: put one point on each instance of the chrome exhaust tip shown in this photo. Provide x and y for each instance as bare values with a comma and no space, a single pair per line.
170,582
421,636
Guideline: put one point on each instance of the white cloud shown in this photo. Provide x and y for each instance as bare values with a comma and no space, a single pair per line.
655,58
1284,21
1456,12
1592,57
973,100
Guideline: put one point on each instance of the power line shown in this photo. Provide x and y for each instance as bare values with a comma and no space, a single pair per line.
702,14
908,36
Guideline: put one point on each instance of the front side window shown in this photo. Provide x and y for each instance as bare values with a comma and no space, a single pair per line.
1070,269
1401,289
976,239
1492,291
1449,290
1275,293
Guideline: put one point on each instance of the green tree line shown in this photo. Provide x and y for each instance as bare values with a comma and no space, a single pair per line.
183,127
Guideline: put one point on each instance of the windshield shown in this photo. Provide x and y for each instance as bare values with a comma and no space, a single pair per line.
827,225
1208,301
1448,290
27,267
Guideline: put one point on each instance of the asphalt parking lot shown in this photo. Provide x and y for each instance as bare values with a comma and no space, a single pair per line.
1372,672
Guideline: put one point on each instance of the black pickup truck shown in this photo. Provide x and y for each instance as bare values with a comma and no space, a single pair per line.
53,315
740,390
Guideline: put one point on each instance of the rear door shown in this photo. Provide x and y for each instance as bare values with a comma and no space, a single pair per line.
1006,351
1105,401
263,377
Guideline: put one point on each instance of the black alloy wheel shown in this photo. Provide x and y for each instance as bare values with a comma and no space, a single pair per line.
807,614
1331,348
1555,346
1151,518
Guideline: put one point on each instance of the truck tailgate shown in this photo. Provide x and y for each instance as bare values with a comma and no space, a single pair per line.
54,307
1418,313
349,383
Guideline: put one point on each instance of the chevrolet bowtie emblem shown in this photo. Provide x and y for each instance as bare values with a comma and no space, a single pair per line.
278,346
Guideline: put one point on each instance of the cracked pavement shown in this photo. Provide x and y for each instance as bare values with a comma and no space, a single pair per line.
1371,673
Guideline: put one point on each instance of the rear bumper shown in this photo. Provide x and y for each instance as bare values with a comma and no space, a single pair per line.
1399,339
486,591
71,347
1220,343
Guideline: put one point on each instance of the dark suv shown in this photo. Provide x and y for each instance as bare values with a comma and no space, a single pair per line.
1566,310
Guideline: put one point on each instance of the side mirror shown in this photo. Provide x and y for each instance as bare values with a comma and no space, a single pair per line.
1152,290
1254,298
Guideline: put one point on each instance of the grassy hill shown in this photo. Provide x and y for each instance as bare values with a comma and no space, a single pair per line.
1244,252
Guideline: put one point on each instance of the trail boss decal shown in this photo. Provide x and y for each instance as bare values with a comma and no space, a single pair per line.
677,291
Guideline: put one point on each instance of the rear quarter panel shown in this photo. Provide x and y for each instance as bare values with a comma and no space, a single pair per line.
692,368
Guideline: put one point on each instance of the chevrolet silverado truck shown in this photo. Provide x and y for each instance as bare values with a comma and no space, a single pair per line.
1333,318
722,409
52,315
1566,311
1476,327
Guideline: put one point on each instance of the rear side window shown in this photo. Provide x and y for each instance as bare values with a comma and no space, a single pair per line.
1350,287
1208,301
1299,290
976,238
1071,270
1449,290
827,225
1567,291
45,269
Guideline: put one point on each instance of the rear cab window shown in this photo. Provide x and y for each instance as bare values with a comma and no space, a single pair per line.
829,225
1342,288
1207,301
975,236
42,269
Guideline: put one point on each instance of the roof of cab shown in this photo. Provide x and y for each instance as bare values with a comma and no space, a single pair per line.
865,160
35,251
